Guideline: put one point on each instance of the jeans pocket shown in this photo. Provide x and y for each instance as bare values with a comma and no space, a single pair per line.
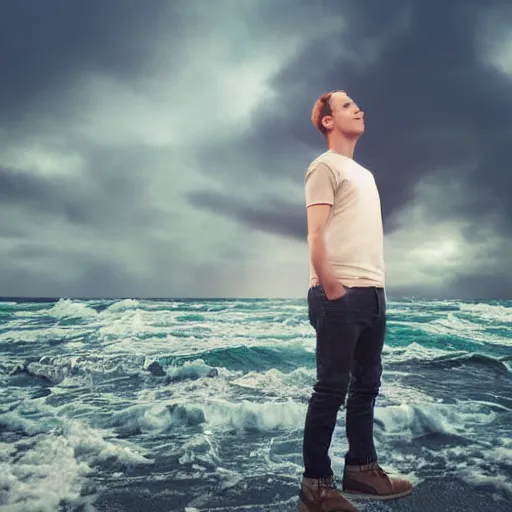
339,299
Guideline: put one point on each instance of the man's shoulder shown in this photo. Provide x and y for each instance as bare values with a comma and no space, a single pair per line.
337,165
325,161
319,164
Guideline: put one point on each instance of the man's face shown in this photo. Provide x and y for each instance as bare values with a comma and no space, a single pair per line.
346,116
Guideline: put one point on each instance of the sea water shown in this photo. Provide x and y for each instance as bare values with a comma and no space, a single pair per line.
203,401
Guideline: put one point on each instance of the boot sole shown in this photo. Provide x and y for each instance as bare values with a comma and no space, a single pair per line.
378,497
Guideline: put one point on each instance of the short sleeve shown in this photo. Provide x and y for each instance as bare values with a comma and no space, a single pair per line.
320,185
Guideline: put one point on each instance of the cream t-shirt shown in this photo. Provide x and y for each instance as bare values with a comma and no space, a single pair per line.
354,235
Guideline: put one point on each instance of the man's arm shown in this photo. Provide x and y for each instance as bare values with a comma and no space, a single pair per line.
318,215
321,185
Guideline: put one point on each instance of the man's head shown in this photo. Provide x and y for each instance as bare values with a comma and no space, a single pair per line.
334,112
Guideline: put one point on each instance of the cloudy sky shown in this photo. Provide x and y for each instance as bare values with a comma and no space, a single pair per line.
159,148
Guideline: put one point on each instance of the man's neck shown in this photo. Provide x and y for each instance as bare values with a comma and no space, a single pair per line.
342,145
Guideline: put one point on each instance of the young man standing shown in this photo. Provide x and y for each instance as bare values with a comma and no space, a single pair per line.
347,308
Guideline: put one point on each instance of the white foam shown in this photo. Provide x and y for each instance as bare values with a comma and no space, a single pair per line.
213,413
56,464
393,394
296,384
413,351
143,418
39,478
412,420
121,306
489,312
191,370
479,463
17,335
263,417
66,308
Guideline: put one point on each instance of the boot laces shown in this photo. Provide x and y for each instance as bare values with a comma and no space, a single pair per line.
378,471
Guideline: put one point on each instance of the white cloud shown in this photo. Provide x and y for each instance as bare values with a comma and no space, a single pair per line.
40,157
203,87
428,250
278,267
495,39
502,57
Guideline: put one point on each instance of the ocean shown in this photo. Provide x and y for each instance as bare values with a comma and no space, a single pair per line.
199,405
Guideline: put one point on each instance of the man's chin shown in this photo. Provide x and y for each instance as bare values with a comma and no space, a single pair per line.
356,132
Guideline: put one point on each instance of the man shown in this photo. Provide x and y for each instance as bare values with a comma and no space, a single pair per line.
347,308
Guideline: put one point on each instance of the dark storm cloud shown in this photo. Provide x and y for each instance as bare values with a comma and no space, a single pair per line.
108,195
477,286
431,103
47,46
468,287
270,215
93,276
16,186
40,196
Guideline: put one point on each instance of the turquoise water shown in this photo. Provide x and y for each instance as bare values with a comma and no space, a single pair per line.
208,398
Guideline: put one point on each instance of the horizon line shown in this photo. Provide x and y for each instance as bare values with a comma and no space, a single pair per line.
43,298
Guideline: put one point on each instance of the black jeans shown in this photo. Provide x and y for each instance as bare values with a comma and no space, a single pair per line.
349,338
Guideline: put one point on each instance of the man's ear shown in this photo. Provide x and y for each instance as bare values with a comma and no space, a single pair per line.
327,122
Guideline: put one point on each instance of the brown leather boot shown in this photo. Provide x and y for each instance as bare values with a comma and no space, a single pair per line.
322,496
371,481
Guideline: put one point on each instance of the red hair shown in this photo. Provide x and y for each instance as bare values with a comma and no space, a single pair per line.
322,108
